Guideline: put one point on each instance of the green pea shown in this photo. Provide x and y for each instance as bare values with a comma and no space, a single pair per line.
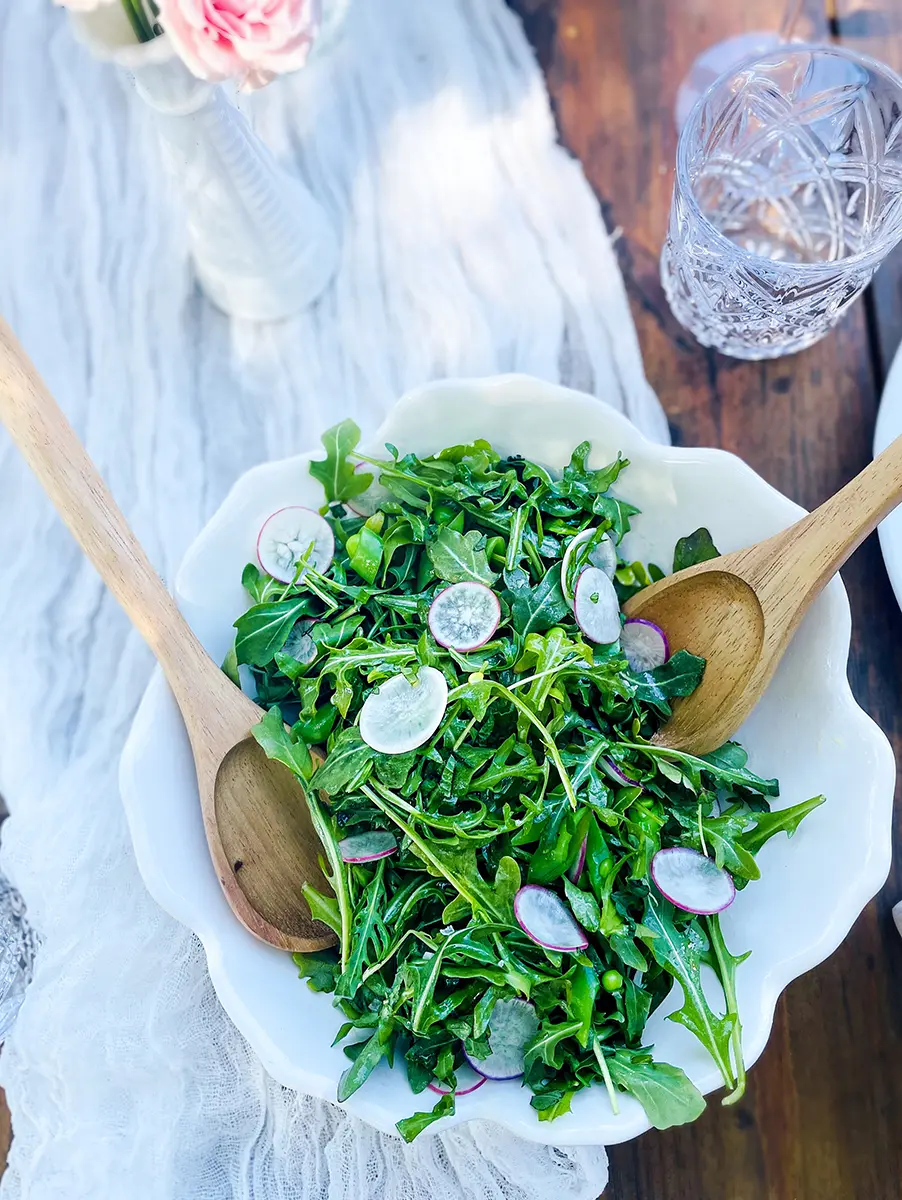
612,981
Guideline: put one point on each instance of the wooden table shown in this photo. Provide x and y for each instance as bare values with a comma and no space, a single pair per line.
822,1119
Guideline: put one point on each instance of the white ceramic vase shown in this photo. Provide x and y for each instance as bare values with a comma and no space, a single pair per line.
262,245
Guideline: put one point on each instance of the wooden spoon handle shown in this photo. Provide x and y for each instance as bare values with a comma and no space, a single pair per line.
808,554
49,445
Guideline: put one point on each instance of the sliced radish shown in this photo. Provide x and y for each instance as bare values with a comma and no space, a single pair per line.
596,607
897,915
614,773
468,1081
602,555
692,881
513,1023
400,715
299,644
544,917
644,644
367,847
374,497
286,537
464,616
577,869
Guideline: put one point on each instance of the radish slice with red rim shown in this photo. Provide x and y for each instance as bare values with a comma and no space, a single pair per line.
399,715
602,555
692,881
644,644
286,537
615,775
545,918
367,847
512,1024
577,869
596,607
464,616
374,497
468,1081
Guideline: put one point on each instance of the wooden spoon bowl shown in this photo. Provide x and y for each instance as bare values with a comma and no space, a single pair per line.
739,611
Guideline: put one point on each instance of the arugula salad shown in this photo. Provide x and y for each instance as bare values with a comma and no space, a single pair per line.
517,874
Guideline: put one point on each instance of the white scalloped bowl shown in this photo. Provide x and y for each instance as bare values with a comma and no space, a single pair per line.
807,730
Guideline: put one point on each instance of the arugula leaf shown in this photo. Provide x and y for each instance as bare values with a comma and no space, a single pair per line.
584,906
695,548
322,908
230,666
264,629
282,744
335,472
410,1127
320,968
726,970
679,952
368,925
347,764
679,676
667,1094
377,1047
784,820
536,609
460,557
552,1104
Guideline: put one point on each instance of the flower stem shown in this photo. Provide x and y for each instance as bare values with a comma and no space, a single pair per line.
137,18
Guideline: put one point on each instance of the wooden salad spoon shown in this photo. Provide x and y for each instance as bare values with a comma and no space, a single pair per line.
257,822
740,611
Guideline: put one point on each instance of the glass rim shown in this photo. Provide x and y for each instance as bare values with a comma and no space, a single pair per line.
684,182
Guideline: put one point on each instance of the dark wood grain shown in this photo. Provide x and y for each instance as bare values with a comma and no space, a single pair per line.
822,1119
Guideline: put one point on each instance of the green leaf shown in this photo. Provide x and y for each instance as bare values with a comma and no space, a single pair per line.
726,970
368,925
336,472
264,629
282,745
347,763
507,881
695,548
545,1046
582,988
584,906
260,586
550,1105
667,1094
374,1050
679,676
410,1127
460,557
535,609
322,908
679,952
321,969
230,666
784,820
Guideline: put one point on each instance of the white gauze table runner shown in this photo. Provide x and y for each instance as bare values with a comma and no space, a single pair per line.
472,245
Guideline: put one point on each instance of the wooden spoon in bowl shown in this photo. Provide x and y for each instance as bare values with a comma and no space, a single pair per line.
257,822
740,611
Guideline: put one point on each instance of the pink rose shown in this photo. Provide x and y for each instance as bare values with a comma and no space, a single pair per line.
253,40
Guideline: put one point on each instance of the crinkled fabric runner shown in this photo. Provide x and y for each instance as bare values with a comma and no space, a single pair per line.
471,245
